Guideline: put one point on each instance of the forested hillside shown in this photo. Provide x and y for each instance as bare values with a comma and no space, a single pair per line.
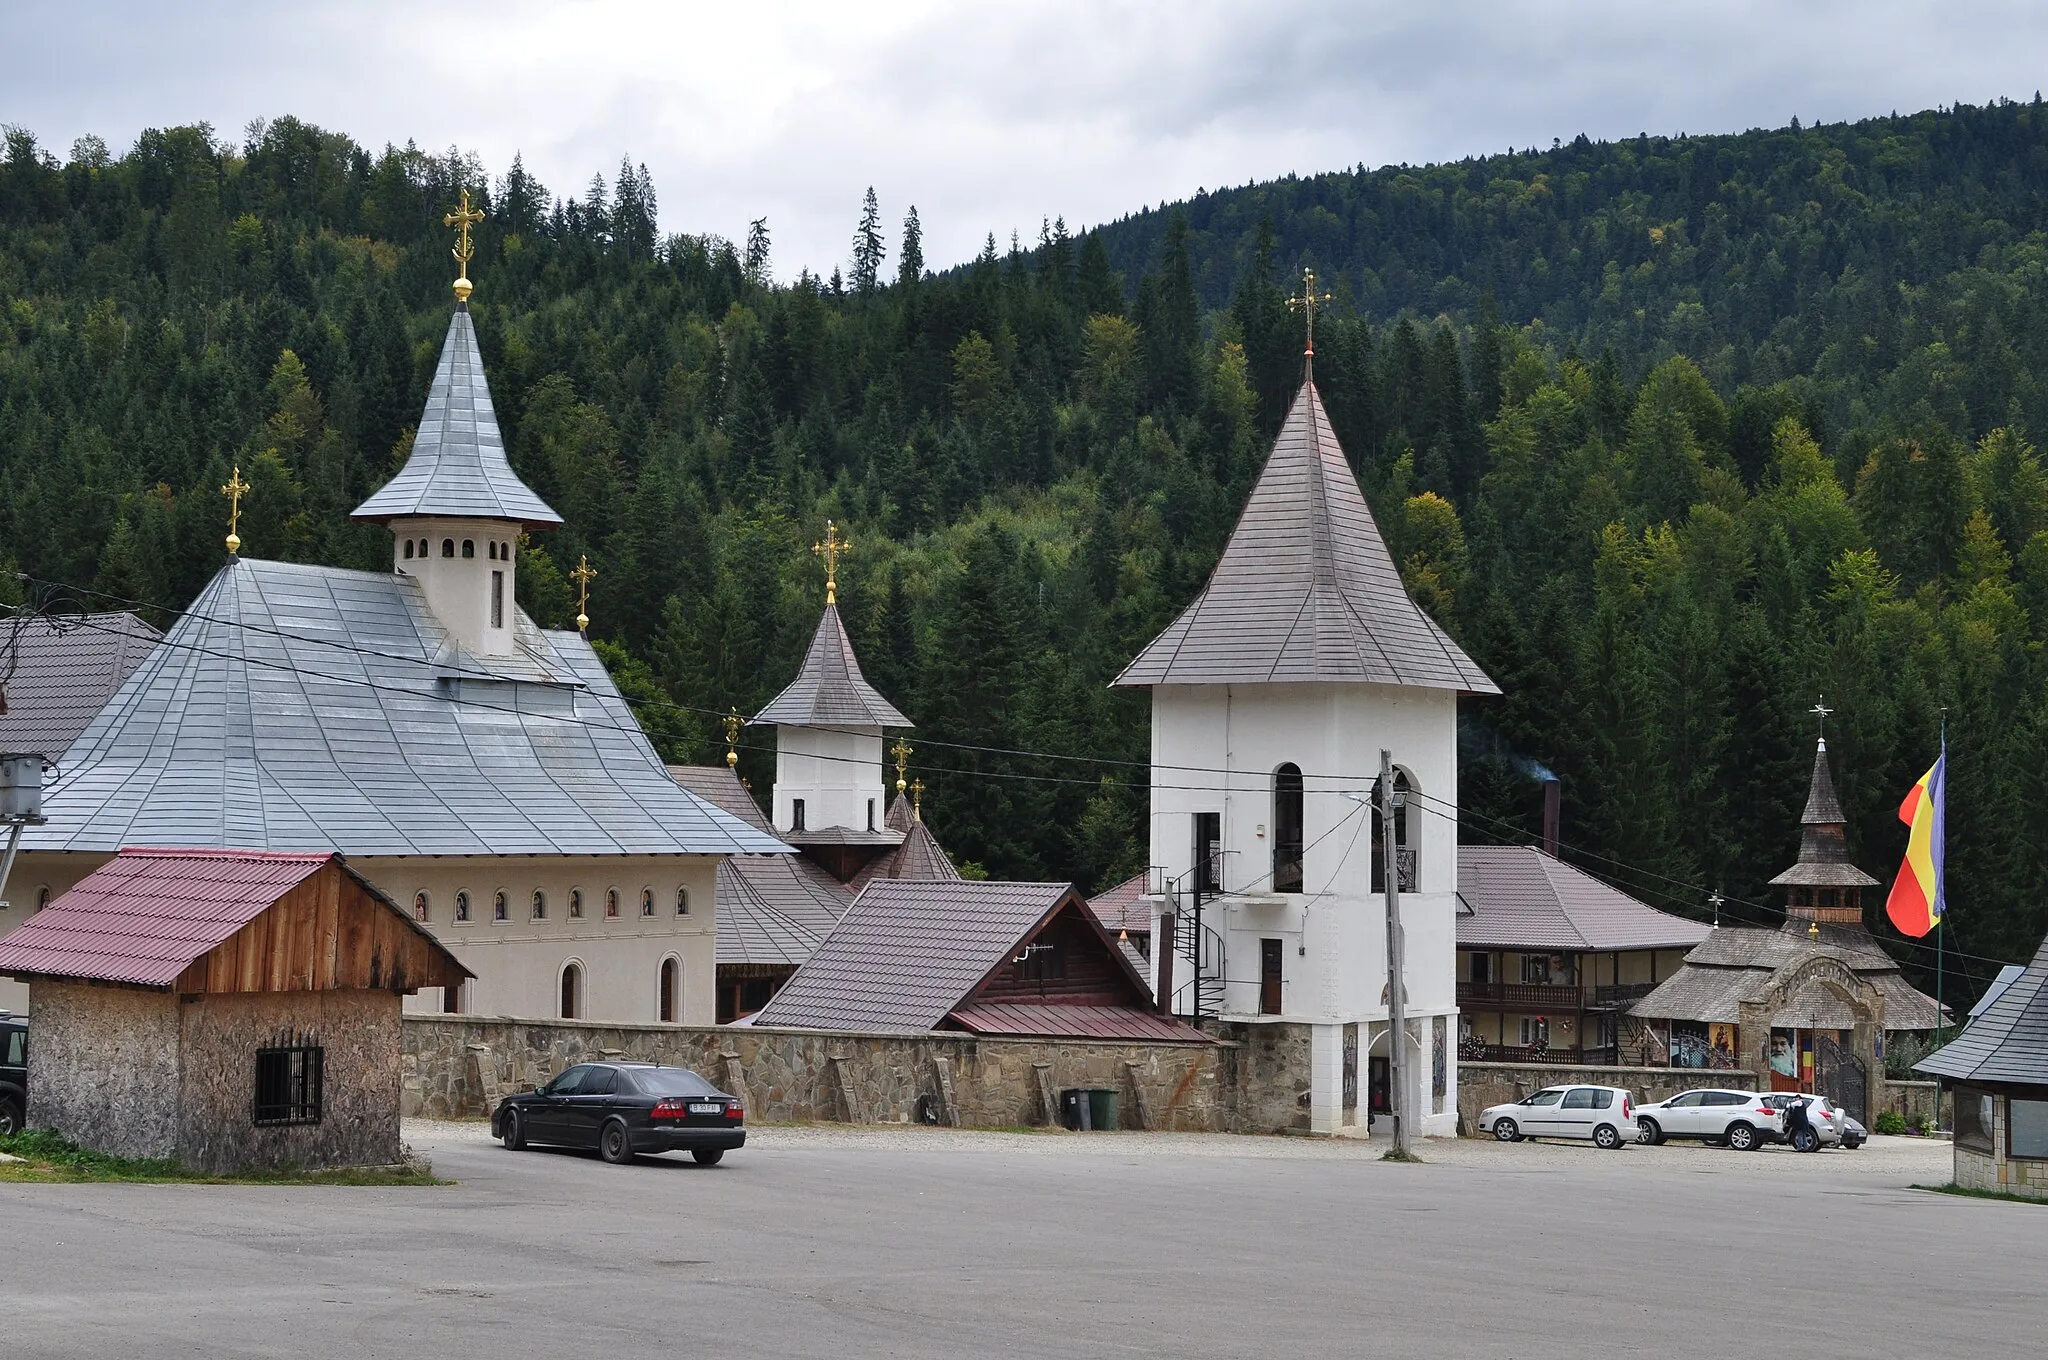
1673,435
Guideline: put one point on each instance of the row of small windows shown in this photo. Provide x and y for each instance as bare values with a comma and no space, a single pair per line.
418,547
501,905
668,991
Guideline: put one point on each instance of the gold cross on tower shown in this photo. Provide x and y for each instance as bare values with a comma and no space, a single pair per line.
463,218
732,723
917,800
1821,711
583,575
234,491
902,751
1306,304
830,550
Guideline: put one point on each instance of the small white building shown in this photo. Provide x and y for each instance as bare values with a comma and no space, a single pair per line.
1273,695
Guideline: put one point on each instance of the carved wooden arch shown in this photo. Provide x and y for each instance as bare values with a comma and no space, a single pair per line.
1860,996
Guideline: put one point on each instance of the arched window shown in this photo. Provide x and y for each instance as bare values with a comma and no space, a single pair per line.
423,548
447,547
575,904
669,991
611,902
462,906
1405,838
494,550
796,814
408,550
42,897
504,552
647,901
572,990
469,547
419,905
500,909
1287,823
540,905
682,901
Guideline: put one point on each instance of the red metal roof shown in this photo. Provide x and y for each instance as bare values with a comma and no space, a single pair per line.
1124,907
1074,1022
145,915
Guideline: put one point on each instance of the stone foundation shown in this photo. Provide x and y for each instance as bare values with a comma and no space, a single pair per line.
458,1066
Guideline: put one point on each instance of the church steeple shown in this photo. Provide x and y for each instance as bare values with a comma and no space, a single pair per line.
1822,887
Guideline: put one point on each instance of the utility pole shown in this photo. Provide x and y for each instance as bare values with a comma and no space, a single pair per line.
1397,1011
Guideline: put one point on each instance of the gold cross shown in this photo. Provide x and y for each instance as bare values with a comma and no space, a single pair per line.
830,550
234,491
902,751
732,722
917,800
1306,304
583,575
463,218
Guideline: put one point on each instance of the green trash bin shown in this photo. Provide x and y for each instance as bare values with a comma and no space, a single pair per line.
1102,1109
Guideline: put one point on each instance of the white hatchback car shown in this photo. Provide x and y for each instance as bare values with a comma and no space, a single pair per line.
1605,1114
1743,1120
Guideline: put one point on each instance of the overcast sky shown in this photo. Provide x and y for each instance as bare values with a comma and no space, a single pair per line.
988,116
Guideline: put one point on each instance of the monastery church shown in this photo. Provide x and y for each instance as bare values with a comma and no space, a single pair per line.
471,765
1273,695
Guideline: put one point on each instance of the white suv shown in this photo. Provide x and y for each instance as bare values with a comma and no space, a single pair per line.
1605,1114
1743,1120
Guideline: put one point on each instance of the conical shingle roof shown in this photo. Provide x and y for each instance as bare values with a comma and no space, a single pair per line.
1823,837
1305,590
458,466
829,691
1823,808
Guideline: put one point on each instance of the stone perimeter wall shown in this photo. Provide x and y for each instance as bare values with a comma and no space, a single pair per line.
457,1066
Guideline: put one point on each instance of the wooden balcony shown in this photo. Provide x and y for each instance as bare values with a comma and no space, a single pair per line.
1607,1056
1536,997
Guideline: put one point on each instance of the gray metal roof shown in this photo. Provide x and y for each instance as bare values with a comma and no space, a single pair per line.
1305,589
63,671
2009,1041
829,690
1521,897
910,951
310,708
458,466
2009,974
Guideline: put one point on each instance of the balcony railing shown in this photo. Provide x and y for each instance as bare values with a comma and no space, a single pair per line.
1470,1051
1546,996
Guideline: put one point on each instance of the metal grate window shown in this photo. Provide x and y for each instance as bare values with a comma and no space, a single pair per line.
289,1080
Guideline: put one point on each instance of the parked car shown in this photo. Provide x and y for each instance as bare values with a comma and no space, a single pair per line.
1854,1135
1740,1119
622,1109
13,1073
1605,1114
1823,1116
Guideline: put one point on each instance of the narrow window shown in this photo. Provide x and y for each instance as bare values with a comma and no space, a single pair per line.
575,904
289,1080
1208,852
1404,839
647,901
667,1001
504,552
419,906
469,547
423,548
796,814
540,905
500,910
451,1000
682,901
447,547
497,599
42,897
408,550
494,550
1287,820
462,906
611,902
871,814
572,991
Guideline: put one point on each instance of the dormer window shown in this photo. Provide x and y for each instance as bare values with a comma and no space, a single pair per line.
469,547
447,547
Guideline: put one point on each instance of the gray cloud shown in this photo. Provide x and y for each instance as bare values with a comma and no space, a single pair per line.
990,118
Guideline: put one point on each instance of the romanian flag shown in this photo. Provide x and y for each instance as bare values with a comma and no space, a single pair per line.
1916,903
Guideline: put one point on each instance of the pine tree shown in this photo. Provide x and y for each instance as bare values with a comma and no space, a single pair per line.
910,260
867,247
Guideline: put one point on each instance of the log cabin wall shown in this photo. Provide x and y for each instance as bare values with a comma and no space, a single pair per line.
1076,970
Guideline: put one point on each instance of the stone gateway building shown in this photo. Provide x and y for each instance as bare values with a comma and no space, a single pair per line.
231,1010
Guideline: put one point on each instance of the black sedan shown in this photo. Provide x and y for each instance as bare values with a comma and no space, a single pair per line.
625,1108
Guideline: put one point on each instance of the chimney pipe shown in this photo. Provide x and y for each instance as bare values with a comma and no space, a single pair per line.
1553,798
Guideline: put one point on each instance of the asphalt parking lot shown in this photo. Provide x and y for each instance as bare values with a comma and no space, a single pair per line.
914,1242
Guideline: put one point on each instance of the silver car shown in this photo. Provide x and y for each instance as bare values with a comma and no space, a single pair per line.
1605,1114
1742,1120
1828,1120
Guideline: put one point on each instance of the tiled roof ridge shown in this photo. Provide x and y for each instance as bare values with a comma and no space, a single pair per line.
225,852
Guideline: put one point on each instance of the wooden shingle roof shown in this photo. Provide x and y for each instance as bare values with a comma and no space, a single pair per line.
1306,590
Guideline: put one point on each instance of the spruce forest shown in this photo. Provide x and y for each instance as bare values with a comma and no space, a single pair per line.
1675,435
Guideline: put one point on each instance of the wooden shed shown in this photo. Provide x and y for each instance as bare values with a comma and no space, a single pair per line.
235,1010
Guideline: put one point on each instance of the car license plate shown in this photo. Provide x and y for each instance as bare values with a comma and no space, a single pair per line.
706,1107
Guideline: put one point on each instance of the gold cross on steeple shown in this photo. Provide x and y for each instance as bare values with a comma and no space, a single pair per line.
583,575
732,723
830,550
463,218
1821,711
234,491
917,800
902,751
1306,304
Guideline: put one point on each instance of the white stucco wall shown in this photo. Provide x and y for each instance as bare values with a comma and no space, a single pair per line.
836,771
458,588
